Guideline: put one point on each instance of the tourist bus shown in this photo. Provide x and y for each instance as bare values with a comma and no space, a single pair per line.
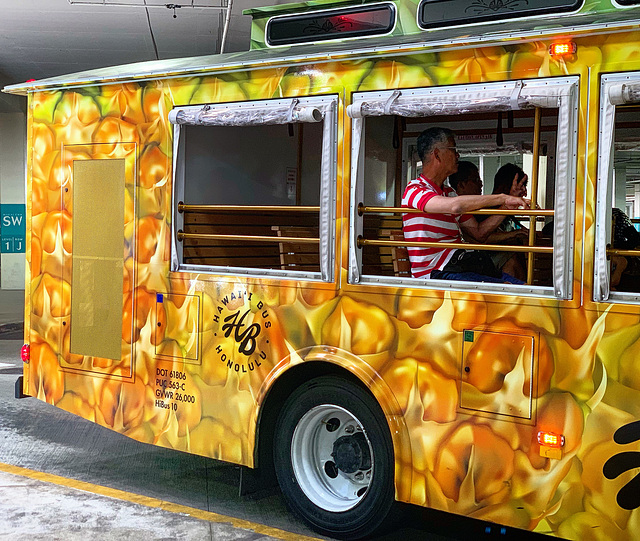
216,264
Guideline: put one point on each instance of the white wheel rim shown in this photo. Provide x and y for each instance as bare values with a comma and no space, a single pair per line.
314,467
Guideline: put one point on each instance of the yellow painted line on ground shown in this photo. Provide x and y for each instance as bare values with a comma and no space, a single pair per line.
153,502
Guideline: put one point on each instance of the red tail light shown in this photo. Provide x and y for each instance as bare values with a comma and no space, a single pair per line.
25,353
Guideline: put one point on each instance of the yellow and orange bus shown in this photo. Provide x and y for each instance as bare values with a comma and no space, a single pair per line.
216,263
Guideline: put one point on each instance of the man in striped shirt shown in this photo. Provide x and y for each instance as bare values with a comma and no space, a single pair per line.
443,217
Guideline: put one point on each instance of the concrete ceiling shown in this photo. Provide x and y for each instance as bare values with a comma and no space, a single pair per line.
45,38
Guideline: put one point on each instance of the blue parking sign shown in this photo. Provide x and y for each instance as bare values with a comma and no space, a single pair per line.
12,228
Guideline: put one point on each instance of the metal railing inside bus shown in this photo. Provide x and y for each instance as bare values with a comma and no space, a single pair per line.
631,252
185,208
530,249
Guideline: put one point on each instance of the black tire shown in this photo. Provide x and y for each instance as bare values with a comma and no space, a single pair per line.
348,493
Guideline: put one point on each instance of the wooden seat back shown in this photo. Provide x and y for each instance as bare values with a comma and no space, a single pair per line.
298,256
399,254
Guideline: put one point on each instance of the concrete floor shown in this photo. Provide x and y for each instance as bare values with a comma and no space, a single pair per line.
42,510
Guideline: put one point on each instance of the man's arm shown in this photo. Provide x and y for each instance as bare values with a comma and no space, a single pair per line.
498,237
480,231
465,203
441,204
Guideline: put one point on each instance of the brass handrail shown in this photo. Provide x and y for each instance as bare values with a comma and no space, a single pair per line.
537,122
181,235
182,207
455,245
617,251
362,209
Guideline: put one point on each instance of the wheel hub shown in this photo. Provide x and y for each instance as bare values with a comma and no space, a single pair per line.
351,453
332,458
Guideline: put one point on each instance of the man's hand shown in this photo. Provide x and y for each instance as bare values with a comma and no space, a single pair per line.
513,203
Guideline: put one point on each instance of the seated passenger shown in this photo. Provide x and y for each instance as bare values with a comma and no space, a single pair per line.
512,180
625,271
443,220
466,181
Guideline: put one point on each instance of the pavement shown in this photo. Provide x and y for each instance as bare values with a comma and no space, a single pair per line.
42,510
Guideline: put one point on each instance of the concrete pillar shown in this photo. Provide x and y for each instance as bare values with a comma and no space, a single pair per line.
13,137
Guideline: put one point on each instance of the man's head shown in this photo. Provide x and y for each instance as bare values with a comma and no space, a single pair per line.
437,150
466,181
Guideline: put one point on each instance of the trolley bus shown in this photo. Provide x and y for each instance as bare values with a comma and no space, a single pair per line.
216,262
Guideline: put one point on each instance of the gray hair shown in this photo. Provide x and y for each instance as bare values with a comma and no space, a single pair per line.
430,137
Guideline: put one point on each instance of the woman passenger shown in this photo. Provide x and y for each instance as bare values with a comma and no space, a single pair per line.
510,179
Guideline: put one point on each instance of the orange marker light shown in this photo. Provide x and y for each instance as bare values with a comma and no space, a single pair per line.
563,49
549,439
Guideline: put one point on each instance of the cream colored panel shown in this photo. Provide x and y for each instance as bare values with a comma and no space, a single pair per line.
97,260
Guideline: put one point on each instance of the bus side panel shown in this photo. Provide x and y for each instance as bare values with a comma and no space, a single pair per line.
202,346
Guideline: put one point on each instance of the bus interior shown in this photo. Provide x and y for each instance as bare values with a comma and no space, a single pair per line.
489,140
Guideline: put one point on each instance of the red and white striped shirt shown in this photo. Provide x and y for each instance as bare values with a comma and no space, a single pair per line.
429,227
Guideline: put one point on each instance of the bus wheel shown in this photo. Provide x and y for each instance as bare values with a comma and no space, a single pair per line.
334,458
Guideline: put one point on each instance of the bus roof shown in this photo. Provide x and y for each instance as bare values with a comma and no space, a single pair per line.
533,29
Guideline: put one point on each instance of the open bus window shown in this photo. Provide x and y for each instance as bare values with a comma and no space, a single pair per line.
519,122
617,258
254,188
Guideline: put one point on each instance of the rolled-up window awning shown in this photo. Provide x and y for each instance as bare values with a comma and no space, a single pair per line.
493,97
291,111
624,93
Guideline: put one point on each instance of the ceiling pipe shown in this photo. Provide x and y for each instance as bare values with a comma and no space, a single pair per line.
225,30
104,3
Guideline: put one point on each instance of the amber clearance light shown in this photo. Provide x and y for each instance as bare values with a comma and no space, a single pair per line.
564,48
549,439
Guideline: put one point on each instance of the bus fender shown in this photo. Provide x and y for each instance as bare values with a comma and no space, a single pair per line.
367,376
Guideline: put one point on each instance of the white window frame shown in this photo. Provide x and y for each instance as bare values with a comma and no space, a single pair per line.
615,89
255,113
560,93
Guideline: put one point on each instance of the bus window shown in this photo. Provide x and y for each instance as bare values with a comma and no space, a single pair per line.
531,124
254,188
617,260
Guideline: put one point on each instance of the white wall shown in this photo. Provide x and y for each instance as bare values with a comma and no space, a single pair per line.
13,140
248,165
380,161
